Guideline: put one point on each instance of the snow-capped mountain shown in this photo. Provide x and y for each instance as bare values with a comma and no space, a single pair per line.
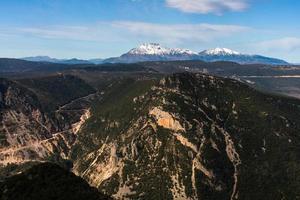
224,54
155,52
219,51
156,49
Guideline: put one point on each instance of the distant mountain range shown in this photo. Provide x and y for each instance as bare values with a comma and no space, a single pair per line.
155,52
72,61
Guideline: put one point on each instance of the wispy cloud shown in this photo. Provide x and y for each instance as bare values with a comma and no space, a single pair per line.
179,33
287,44
120,31
207,6
99,32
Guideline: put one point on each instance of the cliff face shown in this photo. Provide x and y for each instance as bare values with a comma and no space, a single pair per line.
191,137
30,133
187,136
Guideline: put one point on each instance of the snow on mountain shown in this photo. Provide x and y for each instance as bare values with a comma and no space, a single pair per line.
182,51
220,51
156,52
156,49
149,49
224,54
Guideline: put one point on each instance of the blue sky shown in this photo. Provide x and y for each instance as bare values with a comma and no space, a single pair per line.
104,28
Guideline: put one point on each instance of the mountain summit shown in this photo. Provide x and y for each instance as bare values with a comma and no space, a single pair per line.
220,51
155,52
157,49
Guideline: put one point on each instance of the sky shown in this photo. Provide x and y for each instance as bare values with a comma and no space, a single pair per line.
104,28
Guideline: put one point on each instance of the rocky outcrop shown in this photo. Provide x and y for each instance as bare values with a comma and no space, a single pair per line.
166,120
186,138
28,133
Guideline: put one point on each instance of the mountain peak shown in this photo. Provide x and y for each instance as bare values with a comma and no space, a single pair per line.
220,51
157,49
149,49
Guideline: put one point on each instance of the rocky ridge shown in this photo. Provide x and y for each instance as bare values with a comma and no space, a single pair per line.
29,133
187,136
191,137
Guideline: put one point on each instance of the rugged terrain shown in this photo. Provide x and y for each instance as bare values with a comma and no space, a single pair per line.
152,136
37,120
276,79
191,137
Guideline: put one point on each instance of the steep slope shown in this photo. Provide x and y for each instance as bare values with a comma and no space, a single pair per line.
31,130
47,181
191,136
57,90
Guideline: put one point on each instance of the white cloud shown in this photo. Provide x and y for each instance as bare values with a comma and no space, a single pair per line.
207,6
98,33
120,31
288,44
180,33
